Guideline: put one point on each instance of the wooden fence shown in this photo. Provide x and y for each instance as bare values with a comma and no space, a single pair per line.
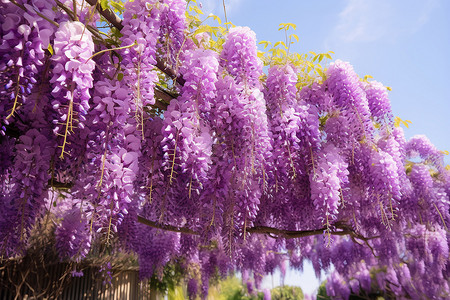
55,282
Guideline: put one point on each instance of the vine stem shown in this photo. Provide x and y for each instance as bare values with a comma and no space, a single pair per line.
287,234
112,49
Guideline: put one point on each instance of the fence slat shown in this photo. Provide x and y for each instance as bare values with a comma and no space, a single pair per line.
125,284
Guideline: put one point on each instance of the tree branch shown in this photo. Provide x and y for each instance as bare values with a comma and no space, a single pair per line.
166,227
287,234
292,234
60,185
163,95
108,14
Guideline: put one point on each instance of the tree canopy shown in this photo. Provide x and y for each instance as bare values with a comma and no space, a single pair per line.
144,127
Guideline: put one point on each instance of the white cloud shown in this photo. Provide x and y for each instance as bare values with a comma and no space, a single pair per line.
428,8
216,6
362,21
366,21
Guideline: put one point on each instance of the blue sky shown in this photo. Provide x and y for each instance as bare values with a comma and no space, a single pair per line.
405,44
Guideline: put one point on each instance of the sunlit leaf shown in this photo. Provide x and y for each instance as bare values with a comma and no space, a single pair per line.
397,122
104,4
320,72
50,49
198,10
289,25
265,43
119,6
320,57
294,36
367,77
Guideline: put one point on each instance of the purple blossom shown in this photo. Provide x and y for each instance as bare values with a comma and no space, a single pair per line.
72,79
192,288
142,26
239,56
187,137
350,99
421,146
172,31
155,250
73,238
23,200
336,287
379,104
327,180
267,295
25,37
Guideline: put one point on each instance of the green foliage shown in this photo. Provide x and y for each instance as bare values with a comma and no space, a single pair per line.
172,277
309,65
231,288
322,292
115,6
399,121
177,293
287,292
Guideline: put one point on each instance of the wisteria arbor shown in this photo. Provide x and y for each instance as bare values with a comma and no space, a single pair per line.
165,137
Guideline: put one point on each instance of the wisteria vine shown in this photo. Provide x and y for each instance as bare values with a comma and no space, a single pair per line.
187,152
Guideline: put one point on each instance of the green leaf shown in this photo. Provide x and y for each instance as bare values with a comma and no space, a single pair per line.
116,32
119,6
50,48
294,36
320,72
265,43
260,54
397,122
229,23
120,76
203,28
217,19
288,25
320,57
104,4
198,10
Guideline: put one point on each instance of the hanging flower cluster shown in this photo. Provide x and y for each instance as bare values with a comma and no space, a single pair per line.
233,168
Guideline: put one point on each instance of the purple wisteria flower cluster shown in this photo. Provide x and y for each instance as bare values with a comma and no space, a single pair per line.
71,81
177,145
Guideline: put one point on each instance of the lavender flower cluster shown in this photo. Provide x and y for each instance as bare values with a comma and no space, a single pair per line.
235,166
